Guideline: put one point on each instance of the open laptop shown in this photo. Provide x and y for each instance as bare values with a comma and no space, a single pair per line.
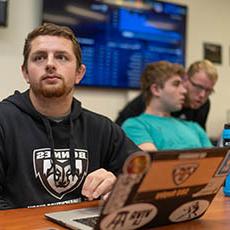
156,189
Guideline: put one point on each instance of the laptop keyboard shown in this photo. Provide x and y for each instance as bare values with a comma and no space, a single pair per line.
90,221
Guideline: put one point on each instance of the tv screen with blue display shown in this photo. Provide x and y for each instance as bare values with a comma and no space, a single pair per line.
118,38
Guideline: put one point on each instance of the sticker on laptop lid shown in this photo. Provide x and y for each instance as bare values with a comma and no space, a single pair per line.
183,172
125,184
133,170
211,188
189,210
137,164
130,217
224,168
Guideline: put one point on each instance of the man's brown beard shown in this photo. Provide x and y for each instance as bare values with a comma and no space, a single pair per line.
51,90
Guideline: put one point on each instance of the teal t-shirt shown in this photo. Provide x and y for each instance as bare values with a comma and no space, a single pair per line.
165,132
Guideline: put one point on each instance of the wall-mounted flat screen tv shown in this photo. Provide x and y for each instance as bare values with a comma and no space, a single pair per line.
118,38
3,12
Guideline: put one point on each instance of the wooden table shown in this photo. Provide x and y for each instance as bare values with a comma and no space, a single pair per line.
217,217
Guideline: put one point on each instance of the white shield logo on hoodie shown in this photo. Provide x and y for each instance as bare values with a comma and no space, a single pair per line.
57,178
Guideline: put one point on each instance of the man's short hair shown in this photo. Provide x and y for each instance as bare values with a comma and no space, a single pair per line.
204,65
51,30
158,73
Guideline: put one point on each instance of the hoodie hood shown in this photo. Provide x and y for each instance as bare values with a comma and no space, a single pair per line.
23,102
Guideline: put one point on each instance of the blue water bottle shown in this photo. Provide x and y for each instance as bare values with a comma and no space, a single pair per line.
226,142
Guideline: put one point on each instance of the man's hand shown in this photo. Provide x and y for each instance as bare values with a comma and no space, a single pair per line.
98,183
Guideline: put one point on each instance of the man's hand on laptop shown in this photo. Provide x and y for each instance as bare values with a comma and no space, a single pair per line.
98,183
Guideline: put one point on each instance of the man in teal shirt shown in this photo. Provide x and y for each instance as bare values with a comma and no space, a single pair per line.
164,93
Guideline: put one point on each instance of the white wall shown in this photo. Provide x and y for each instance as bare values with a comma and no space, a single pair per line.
207,22
23,17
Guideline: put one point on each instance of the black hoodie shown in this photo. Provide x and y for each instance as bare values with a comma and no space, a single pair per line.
45,162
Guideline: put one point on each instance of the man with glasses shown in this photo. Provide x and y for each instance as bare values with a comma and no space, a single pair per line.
201,78
199,82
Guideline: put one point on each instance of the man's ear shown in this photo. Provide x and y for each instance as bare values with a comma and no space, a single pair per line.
80,72
25,74
155,89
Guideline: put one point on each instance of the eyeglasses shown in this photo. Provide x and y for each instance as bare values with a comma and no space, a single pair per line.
201,88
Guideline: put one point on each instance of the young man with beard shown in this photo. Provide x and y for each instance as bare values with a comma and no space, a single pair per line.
51,149
200,80
164,93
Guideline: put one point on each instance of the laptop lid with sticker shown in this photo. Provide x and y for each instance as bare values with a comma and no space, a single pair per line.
176,186
159,188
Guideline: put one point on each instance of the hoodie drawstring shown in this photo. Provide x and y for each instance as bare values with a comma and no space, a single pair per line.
71,146
51,141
